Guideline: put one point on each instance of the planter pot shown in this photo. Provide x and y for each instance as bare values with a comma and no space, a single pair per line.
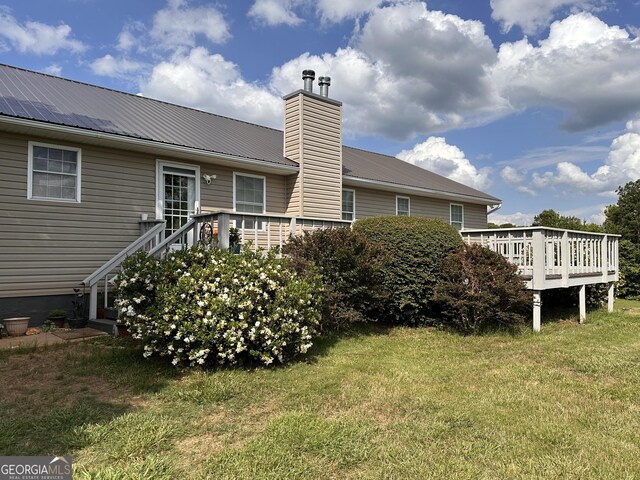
17,326
58,321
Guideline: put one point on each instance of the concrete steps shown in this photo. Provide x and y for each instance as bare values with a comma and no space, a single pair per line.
106,325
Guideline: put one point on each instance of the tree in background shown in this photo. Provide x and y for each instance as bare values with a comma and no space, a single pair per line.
624,218
501,225
551,218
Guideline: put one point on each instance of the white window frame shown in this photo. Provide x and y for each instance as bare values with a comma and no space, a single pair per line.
160,164
408,204
262,222
451,212
353,213
30,173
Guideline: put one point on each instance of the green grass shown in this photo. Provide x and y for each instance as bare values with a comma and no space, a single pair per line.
380,403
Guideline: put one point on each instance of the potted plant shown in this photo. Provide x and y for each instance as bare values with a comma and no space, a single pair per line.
78,320
57,316
16,326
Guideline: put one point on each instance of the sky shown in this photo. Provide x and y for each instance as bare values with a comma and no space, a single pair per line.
536,102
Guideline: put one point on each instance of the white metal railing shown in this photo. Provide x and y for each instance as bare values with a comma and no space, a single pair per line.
552,257
261,230
148,239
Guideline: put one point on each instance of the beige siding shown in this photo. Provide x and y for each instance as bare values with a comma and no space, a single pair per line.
313,138
49,247
373,203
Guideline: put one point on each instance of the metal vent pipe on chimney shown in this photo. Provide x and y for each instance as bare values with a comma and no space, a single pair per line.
308,76
324,83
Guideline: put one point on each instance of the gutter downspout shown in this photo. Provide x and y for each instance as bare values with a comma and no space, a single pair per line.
494,209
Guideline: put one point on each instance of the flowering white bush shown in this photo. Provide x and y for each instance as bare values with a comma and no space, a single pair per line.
208,305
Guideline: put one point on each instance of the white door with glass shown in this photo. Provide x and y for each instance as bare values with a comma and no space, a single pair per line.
178,195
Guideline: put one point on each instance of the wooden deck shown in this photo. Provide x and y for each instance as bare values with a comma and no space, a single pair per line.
554,258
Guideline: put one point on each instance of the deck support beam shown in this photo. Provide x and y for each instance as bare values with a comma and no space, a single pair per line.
610,297
537,310
583,303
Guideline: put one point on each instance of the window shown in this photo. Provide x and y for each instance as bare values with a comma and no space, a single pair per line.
54,173
403,206
457,216
348,204
249,196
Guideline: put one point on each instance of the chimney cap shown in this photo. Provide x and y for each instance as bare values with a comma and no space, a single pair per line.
308,74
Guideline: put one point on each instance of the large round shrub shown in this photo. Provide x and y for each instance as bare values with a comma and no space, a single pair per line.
480,289
204,305
417,247
351,269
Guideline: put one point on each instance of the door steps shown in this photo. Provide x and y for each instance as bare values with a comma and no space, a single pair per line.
106,325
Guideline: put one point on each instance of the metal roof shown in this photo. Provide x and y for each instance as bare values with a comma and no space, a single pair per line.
39,97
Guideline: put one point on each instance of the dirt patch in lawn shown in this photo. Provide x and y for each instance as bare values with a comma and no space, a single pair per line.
36,382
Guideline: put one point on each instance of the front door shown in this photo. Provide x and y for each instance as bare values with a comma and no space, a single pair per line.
178,194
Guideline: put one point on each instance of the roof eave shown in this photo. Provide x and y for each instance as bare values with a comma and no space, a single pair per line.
93,136
408,189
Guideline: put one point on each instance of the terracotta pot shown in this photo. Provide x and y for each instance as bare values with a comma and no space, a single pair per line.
58,321
17,326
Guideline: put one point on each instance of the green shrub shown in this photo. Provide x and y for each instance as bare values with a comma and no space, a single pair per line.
417,247
203,305
479,290
350,266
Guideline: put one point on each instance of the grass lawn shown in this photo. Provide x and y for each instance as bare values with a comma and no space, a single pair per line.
381,403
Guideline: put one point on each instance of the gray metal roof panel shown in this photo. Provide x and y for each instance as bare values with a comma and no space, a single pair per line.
385,168
42,97
37,96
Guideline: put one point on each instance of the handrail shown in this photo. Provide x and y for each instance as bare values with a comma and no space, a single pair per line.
117,260
528,229
173,237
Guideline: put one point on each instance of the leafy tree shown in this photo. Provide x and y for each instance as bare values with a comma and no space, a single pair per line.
500,225
551,218
624,218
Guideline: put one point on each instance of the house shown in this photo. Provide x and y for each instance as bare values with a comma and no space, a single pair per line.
86,169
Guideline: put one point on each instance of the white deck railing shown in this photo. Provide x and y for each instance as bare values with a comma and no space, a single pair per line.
552,257
260,230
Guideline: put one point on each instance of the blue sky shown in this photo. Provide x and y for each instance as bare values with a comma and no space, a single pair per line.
534,101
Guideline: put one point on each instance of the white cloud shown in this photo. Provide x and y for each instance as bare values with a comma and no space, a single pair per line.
585,67
436,155
131,37
114,67
53,69
520,219
36,37
511,176
534,15
209,82
278,12
338,10
547,156
621,166
275,12
178,25
409,71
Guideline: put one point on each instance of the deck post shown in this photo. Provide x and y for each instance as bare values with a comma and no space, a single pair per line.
565,258
538,244
93,301
292,227
583,303
603,257
223,231
610,297
537,307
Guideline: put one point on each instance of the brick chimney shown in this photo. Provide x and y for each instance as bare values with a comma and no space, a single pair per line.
313,138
